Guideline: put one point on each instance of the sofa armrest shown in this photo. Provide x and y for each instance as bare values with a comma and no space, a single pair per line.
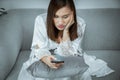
10,43
6,63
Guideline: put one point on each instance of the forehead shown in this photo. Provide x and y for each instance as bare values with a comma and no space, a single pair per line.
63,11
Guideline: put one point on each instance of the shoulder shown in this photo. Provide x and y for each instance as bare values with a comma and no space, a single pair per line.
80,21
41,17
81,25
40,20
40,24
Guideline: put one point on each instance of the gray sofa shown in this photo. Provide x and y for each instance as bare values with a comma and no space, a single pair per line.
102,39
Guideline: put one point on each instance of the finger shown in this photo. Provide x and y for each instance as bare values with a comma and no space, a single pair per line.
58,64
72,18
52,58
70,22
61,63
53,65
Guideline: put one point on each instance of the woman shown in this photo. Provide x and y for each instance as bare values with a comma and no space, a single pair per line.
62,31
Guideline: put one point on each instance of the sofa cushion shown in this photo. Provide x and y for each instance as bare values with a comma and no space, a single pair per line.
4,68
23,56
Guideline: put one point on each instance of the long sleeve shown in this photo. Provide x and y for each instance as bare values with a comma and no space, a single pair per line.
40,40
73,47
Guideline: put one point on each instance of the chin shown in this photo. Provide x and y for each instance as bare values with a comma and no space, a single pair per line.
60,29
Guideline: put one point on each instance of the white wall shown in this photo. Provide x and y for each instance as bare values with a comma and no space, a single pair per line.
82,4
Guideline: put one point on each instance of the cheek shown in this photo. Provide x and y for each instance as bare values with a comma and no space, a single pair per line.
67,21
55,22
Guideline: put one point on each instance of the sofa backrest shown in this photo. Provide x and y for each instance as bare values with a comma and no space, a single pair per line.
102,30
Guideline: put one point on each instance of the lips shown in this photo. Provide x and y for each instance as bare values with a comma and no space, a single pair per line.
61,26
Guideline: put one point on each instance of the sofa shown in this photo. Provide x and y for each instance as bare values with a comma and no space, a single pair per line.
102,39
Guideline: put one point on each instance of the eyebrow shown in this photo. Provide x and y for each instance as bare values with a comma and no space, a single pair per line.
64,15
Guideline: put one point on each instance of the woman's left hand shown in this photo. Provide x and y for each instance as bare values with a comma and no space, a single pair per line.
69,23
66,30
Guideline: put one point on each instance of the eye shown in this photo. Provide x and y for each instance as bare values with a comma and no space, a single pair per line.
66,16
56,16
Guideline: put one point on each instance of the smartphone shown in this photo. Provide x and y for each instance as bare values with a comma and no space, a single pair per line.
59,59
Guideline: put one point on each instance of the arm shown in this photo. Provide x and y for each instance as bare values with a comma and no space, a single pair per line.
40,50
39,44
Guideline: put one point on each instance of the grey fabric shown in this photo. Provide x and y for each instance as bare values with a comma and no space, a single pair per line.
73,65
26,19
4,58
103,29
23,56
10,43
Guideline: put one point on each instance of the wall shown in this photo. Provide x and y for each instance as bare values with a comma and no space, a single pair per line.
13,4
82,4
98,3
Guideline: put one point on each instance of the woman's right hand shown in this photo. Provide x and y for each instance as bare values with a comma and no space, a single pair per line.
47,60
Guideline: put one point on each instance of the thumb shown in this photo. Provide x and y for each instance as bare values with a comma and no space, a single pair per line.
52,58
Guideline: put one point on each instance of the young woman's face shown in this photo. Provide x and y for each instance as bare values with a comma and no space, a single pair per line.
62,17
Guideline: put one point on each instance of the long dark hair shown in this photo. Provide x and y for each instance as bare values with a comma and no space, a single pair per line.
53,7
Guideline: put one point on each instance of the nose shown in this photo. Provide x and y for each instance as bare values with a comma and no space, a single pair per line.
60,21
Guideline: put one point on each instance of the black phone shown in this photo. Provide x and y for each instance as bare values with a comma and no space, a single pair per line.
57,61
